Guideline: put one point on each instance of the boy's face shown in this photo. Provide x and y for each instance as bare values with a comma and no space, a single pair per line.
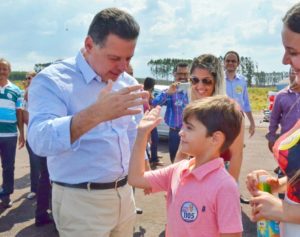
194,140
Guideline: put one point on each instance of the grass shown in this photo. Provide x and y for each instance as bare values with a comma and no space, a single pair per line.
258,96
19,84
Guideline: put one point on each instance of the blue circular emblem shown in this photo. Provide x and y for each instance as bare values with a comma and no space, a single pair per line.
189,212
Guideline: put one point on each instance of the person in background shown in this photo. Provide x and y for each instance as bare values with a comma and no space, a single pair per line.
236,86
33,160
175,100
286,150
149,84
286,110
10,122
83,117
199,190
39,177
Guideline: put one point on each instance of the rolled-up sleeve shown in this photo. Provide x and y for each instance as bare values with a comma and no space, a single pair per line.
49,123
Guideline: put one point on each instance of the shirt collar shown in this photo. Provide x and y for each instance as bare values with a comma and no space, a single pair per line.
204,169
87,71
236,77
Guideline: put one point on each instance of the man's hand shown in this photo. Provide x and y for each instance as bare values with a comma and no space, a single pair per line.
251,129
109,105
172,88
127,101
21,141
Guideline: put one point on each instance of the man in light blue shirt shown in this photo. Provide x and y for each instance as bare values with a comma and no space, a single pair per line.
10,121
83,117
236,86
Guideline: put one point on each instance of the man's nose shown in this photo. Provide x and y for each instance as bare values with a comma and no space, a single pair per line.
123,65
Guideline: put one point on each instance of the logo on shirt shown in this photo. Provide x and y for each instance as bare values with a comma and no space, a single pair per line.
239,90
189,212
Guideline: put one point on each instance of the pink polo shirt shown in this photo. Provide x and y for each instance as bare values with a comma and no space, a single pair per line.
203,202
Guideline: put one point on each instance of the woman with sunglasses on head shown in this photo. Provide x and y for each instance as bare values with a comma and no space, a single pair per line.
207,79
286,150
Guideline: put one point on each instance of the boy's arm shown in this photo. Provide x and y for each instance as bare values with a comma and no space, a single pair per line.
137,162
231,235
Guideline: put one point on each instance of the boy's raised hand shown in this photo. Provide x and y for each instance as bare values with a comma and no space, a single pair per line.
150,120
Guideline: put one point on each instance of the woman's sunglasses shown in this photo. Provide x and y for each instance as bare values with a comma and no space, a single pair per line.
204,81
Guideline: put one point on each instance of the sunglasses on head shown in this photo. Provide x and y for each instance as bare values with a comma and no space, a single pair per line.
204,81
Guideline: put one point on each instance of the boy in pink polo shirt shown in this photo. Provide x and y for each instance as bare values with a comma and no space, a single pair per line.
202,198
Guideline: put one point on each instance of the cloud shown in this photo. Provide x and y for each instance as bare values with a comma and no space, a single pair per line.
41,31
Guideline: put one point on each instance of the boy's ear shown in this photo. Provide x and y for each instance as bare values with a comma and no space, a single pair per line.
218,138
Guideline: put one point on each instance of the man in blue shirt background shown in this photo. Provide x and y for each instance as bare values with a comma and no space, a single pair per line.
10,121
175,100
236,86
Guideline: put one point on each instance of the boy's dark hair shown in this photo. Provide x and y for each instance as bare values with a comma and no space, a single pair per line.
180,64
217,113
113,21
149,83
232,52
292,18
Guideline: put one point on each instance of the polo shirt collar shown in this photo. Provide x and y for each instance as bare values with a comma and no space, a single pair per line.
87,72
203,170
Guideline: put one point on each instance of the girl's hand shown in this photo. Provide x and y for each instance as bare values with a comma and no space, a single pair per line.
266,206
252,181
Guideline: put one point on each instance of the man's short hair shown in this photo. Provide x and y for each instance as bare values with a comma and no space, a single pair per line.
180,64
217,113
113,21
233,52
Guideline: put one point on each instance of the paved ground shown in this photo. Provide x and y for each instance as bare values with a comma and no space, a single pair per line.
19,220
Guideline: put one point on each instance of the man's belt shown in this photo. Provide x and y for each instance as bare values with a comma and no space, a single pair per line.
95,186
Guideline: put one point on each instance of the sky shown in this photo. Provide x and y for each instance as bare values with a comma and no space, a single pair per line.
34,31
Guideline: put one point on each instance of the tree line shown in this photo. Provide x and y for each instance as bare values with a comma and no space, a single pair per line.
163,69
20,75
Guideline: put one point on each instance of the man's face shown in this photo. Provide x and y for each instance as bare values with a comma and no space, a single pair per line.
4,72
231,62
110,59
181,74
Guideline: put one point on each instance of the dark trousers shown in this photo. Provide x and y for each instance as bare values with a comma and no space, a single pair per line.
174,140
8,154
43,190
154,145
34,169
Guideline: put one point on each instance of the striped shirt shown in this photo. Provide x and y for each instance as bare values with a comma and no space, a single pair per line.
10,101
